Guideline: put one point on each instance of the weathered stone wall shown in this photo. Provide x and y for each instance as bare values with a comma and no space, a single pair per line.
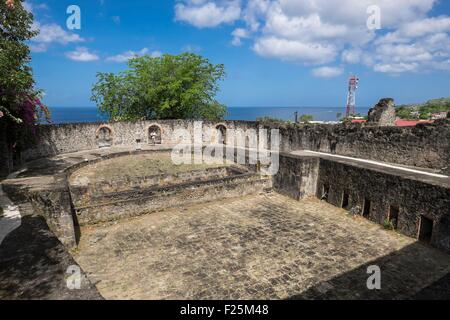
384,113
300,177
5,165
115,206
84,191
421,146
51,201
413,198
55,206
57,139
297,176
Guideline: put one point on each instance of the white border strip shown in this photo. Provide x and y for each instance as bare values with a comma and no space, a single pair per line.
378,164
11,218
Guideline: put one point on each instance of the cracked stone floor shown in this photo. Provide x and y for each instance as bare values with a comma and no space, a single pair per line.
264,246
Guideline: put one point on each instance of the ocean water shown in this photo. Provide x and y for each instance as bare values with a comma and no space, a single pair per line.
90,114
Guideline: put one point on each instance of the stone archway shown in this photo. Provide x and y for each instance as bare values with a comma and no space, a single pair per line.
154,134
104,136
221,133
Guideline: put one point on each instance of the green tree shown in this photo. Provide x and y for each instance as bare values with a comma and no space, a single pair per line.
20,106
306,118
168,87
424,110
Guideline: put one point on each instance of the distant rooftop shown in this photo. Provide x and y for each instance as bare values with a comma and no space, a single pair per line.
401,122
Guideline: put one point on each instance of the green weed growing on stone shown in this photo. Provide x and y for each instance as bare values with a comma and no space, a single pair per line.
388,224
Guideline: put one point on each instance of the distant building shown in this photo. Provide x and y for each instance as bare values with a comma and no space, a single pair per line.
415,114
403,123
411,123
359,121
439,115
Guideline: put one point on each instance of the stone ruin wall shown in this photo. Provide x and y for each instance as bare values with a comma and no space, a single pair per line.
413,198
302,177
421,146
299,177
65,138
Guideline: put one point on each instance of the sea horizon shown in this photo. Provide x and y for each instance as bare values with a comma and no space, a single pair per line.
245,113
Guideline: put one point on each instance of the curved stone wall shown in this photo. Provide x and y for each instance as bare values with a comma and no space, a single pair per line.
420,146
65,138
418,199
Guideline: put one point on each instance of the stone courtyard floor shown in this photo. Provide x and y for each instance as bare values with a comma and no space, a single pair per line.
265,246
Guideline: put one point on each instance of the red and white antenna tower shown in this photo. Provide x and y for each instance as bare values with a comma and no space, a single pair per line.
351,98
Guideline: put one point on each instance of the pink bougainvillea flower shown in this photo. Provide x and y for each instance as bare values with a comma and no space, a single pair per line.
1,114
10,3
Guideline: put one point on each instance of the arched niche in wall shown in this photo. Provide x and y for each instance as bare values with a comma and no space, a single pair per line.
104,136
221,134
154,134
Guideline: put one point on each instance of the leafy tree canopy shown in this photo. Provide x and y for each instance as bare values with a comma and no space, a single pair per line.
20,105
423,110
306,118
168,87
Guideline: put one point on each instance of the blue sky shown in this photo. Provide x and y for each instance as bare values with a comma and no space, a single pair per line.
276,52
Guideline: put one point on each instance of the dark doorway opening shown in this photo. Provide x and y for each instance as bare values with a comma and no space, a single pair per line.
104,138
325,192
221,134
426,229
345,200
366,208
393,216
154,135
333,146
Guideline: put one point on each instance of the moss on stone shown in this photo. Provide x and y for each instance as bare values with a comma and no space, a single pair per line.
136,166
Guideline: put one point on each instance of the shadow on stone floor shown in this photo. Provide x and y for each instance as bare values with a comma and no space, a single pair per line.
34,265
45,166
402,272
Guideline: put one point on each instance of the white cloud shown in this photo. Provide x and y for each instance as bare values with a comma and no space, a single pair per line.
38,47
396,67
124,57
296,51
239,34
255,12
403,53
320,31
116,19
82,54
54,33
48,33
423,27
352,56
327,72
30,7
207,14
427,53
354,12
191,48
416,29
